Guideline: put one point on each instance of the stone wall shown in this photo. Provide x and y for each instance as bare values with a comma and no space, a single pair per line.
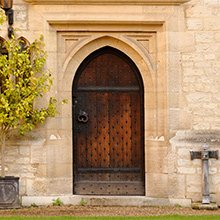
198,97
201,65
177,50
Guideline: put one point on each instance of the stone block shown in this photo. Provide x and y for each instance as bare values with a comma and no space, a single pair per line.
203,64
174,119
64,123
194,188
41,171
199,97
10,159
195,179
193,71
216,97
20,16
157,185
59,151
198,11
212,170
212,2
197,163
192,57
194,196
186,170
212,25
156,160
14,168
176,186
216,198
59,170
22,160
216,11
203,112
11,151
20,7
24,150
38,153
174,74
184,162
200,206
199,170
207,48
210,56
36,187
204,37
194,24
60,186
185,120
210,105
183,152
187,63
27,175
189,79
22,25
201,126
22,190
215,125
217,37
183,202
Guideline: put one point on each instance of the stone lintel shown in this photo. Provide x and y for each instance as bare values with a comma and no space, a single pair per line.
73,2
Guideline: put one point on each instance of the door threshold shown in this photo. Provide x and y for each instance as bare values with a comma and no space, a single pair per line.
106,200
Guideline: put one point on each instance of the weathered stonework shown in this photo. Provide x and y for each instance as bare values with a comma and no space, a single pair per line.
174,44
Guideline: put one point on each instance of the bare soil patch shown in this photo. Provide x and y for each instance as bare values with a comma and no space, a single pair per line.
68,210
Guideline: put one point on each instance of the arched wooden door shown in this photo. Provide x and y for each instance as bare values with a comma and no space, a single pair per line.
108,125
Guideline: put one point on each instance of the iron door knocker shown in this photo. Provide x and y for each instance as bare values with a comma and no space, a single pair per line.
83,116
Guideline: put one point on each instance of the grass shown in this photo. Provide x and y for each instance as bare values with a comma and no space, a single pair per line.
168,217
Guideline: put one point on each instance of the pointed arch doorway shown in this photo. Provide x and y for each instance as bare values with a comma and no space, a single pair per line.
108,125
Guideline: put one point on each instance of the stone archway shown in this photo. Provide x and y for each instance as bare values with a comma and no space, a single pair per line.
77,52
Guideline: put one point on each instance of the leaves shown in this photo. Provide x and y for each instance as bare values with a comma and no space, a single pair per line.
2,17
24,82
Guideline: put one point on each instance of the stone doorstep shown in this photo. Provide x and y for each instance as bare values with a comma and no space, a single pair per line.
106,200
201,206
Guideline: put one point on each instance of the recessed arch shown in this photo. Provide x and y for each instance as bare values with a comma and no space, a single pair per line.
82,50
3,46
23,42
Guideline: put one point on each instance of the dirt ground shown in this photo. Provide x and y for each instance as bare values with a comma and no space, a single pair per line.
68,210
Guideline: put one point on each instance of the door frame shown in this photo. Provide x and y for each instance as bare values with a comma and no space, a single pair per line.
134,67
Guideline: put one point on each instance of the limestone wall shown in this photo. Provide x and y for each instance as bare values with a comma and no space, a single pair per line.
198,109
177,50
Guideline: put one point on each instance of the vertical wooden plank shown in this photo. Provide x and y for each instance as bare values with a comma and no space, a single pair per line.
127,131
103,128
92,134
113,70
81,133
101,70
115,134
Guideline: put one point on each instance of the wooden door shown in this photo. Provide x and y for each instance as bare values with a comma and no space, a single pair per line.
108,125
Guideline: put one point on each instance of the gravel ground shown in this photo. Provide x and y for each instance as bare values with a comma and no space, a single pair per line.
68,210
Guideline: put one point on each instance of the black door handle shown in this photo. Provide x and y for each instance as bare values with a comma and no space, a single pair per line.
83,116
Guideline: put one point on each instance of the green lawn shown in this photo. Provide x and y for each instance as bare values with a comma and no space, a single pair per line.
168,217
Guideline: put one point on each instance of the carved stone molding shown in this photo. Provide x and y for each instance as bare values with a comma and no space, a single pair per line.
72,2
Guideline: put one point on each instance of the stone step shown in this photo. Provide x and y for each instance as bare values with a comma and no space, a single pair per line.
106,200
